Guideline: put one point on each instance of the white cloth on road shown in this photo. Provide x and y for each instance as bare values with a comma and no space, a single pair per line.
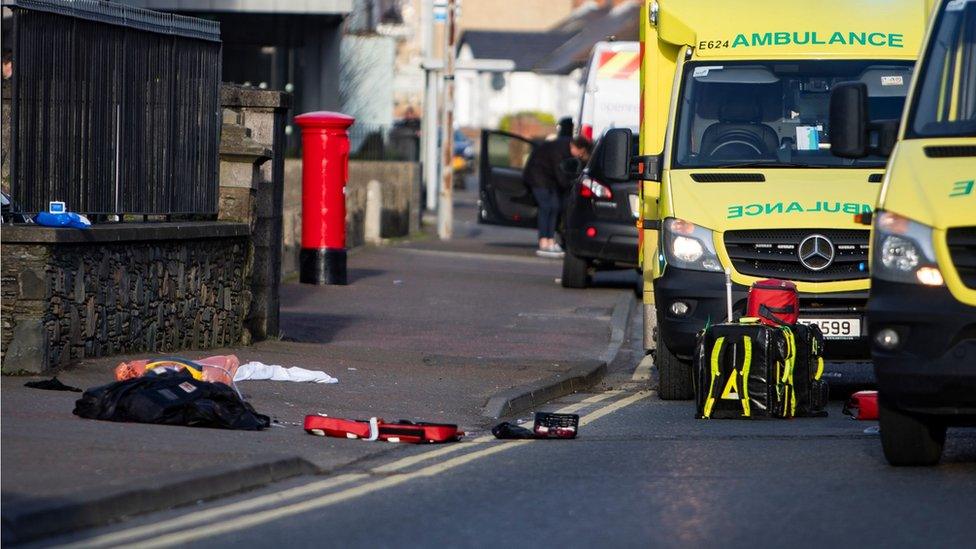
258,370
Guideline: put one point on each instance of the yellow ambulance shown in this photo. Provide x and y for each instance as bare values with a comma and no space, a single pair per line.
736,167
922,310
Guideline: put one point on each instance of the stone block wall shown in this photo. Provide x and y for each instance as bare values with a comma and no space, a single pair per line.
401,189
155,288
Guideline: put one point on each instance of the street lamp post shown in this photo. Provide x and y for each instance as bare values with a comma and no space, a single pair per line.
445,206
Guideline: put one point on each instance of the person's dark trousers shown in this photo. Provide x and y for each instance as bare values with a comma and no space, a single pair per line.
549,206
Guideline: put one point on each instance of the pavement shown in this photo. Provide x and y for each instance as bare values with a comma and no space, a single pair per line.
462,332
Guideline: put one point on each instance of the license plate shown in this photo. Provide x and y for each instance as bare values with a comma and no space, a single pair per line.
836,328
635,206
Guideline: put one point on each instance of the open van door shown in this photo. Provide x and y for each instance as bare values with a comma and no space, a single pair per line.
504,197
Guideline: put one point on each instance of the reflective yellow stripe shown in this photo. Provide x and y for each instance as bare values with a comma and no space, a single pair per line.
194,373
746,364
820,368
710,401
788,367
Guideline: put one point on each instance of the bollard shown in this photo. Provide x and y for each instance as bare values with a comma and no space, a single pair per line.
325,170
374,212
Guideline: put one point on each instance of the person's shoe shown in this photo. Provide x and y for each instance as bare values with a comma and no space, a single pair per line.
548,252
558,248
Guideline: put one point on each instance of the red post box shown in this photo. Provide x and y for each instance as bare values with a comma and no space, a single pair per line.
325,169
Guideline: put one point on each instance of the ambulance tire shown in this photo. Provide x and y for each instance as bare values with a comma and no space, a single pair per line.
673,375
576,271
910,440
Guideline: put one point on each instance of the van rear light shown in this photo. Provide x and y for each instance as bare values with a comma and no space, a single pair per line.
591,189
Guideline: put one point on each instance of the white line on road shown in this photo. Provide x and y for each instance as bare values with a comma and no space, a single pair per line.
207,515
201,524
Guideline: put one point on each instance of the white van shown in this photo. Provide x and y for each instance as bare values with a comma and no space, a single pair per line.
611,89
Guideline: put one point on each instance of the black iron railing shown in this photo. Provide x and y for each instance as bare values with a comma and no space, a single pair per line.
379,142
115,110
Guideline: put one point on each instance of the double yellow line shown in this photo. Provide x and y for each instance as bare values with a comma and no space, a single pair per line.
246,514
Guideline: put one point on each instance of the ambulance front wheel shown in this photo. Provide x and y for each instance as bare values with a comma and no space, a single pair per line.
909,439
673,374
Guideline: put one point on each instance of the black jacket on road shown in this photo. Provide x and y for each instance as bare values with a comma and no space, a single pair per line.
543,170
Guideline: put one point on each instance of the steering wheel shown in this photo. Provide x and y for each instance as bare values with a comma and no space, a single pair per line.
744,143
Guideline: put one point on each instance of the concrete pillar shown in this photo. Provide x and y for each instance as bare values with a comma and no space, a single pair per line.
259,118
374,212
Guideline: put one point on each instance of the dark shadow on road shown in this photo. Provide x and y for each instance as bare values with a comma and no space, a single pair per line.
355,275
623,279
512,245
314,328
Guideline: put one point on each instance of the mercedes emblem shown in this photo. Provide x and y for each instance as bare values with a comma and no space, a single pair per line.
816,252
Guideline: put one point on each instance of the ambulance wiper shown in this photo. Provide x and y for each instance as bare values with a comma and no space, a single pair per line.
765,164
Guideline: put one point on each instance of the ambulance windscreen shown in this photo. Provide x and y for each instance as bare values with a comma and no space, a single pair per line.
776,114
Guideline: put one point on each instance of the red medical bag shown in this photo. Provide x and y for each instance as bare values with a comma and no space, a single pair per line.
774,302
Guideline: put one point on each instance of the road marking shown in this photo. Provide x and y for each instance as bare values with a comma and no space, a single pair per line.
573,408
614,406
238,508
242,519
643,370
413,460
207,515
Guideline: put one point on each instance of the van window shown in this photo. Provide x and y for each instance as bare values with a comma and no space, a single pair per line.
946,100
775,113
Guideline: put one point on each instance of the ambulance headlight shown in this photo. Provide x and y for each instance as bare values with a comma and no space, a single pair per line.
688,246
903,251
687,249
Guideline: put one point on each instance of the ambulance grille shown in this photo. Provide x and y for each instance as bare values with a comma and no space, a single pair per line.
772,253
962,249
728,177
950,151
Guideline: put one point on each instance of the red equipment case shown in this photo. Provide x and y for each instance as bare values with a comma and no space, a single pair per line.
377,429
774,302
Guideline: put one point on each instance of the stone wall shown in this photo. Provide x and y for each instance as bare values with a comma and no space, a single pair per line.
156,287
400,185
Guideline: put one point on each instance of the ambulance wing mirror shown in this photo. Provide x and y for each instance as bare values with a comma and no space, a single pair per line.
611,157
851,128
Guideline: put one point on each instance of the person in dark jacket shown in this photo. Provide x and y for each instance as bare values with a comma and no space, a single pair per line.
549,183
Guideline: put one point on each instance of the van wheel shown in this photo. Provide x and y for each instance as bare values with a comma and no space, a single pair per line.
674,374
909,439
575,271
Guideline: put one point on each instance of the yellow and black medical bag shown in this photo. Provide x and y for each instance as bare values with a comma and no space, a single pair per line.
744,370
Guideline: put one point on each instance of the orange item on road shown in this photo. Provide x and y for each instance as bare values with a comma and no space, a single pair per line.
216,369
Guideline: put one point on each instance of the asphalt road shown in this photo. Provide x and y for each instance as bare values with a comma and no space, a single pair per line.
642,473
